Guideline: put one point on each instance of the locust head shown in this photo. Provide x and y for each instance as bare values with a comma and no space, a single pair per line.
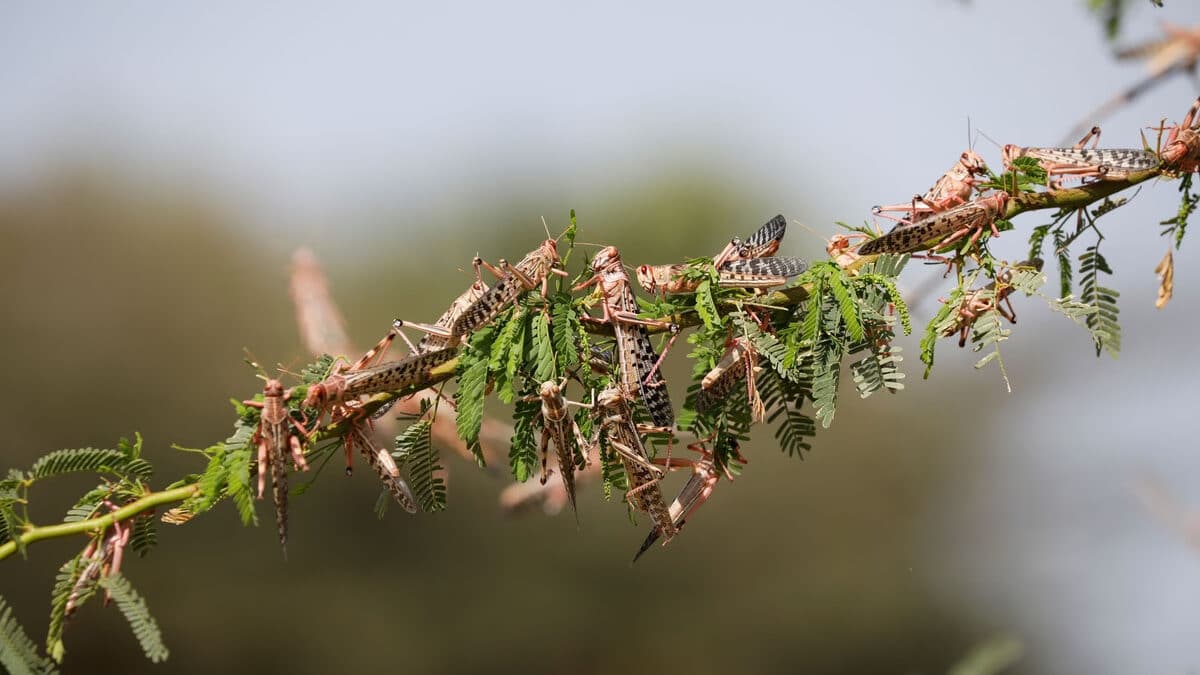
653,278
1009,153
550,390
973,164
606,259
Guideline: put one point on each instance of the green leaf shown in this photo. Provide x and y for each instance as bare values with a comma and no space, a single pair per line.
523,452
941,321
783,399
64,583
543,349
1187,206
844,294
415,449
133,606
1064,264
879,370
706,307
472,380
1103,324
75,460
564,326
18,654
145,535
237,467
989,331
826,362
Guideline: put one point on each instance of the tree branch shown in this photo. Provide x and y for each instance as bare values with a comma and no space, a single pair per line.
130,510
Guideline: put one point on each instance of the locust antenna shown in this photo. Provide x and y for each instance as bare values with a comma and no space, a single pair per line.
249,359
547,229
807,229
979,132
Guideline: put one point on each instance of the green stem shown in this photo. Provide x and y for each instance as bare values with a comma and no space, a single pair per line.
1075,198
128,511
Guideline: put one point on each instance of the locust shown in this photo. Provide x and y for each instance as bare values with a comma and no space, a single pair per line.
636,355
360,380
740,362
624,436
941,229
276,435
532,271
755,273
103,555
980,300
381,461
338,393
695,491
840,248
763,243
1182,151
953,188
558,426
461,304
340,390
1082,162
432,342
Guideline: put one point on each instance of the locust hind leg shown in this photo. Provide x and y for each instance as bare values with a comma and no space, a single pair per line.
262,467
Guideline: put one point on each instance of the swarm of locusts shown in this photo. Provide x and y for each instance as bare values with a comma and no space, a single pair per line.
581,359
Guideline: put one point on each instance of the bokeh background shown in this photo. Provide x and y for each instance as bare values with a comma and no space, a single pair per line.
159,162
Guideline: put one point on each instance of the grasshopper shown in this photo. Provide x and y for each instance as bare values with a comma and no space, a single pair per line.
461,304
431,342
840,248
694,493
381,460
336,391
532,271
1082,162
739,273
624,436
275,436
941,229
739,362
978,301
360,380
763,243
638,361
1182,152
560,427
103,555
955,187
